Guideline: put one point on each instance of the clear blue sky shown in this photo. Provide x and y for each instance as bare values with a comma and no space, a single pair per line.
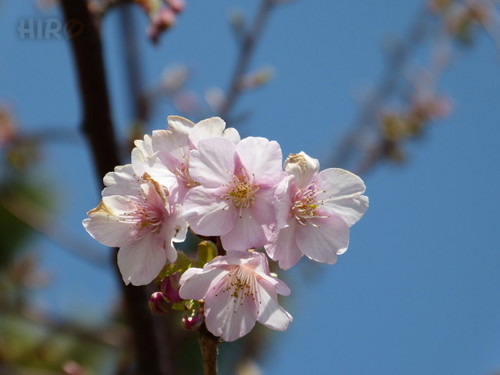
418,290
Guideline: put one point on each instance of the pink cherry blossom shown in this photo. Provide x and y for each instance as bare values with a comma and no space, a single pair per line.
238,290
136,215
235,196
314,212
169,149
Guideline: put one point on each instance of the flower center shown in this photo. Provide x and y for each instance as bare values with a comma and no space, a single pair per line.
241,192
182,172
240,282
306,205
149,217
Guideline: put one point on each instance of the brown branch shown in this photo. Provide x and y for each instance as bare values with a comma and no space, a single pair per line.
208,347
152,349
247,49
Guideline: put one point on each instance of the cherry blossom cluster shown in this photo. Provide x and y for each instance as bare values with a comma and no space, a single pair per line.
205,177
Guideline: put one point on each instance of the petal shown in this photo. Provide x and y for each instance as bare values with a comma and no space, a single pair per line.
271,314
284,248
227,316
206,213
245,234
142,149
322,242
159,172
123,181
283,201
141,261
208,128
180,225
104,223
262,160
232,134
196,282
263,209
303,167
212,165
172,148
342,194
179,125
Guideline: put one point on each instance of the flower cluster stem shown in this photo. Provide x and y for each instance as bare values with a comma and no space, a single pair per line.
209,350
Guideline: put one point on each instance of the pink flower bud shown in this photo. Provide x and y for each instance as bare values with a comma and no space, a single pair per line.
158,303
176,5
192,322
163,20
169,288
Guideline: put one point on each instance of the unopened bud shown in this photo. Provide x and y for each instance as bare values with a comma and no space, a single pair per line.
158,303
169,288
192,322
163,20
176,5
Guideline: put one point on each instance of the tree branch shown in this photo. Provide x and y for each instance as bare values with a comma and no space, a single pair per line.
246,51
208,347
149,338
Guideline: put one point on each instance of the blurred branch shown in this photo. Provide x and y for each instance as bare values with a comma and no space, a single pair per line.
42,221
101,8
152,349
113,335
387,85
247,49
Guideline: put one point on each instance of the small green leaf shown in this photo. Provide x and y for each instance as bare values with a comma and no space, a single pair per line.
206,252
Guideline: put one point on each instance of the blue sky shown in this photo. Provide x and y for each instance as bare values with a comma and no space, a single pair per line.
418,290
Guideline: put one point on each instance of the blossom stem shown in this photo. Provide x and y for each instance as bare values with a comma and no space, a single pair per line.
209,350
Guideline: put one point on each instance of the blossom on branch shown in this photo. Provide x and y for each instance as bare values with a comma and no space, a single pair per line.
137,215
171,148
237,290
314,212
235,196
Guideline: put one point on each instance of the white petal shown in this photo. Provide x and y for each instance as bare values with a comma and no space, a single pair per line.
123,181
263,208
229,317
284,248
342,194
180,225
324,242
303,167
196,282
206,213
104,222
208,128
212,165
261,159
232,134
283,201
141,261
180,125
172,148
271,314
142,149
245,234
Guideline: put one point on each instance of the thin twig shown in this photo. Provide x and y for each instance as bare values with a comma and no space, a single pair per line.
387,85
45,223
247,49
